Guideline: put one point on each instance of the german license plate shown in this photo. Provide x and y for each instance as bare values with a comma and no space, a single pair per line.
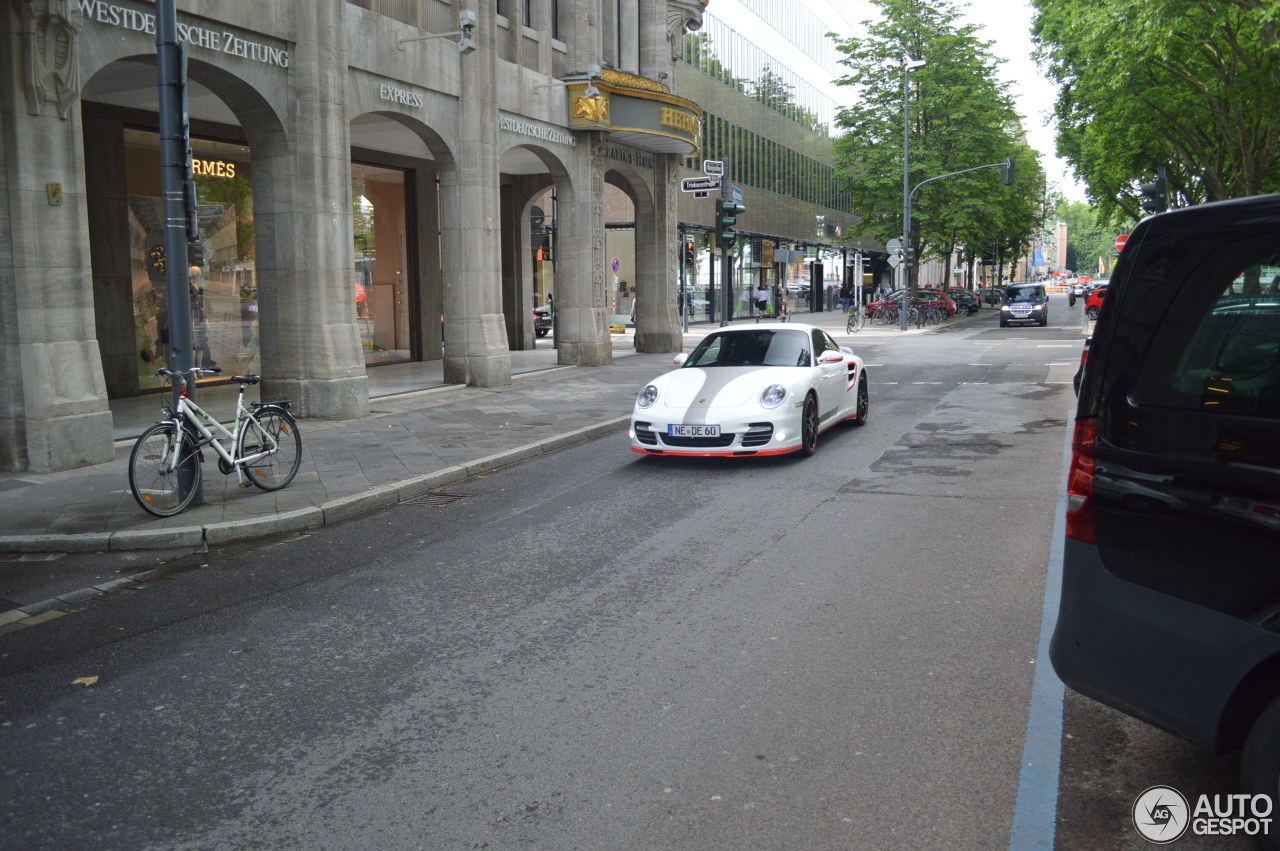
693,430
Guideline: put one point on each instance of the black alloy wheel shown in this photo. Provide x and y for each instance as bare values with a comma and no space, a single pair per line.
864,402
809,427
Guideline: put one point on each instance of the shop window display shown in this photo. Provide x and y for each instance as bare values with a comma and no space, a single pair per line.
380,280
221,274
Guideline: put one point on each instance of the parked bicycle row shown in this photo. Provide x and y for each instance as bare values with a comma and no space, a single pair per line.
930,307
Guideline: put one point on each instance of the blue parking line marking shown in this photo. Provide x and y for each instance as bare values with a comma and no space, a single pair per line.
1035,815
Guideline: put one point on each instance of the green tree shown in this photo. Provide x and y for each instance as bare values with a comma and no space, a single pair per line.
1193,85
960,117
1088,239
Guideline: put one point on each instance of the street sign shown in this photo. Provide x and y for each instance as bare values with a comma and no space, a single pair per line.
893,246
699,184
894,259
735,193
1121,240
715,167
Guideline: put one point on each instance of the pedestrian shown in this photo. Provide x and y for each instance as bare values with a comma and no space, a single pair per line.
762,301
635,338
846,296
200,354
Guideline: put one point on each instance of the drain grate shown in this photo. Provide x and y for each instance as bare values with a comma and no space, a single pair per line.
435,499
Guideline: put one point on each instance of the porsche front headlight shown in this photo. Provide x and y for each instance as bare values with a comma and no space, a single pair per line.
647,396
773,395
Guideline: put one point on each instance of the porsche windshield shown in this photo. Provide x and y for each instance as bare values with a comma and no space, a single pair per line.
752,348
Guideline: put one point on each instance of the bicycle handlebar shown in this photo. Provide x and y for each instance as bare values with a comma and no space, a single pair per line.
195,370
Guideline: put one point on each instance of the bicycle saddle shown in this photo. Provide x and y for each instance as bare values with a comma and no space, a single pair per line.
247,379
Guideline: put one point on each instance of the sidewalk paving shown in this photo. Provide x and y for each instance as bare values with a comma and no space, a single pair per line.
413,441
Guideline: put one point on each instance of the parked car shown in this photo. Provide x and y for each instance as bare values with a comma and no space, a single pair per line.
1170,604
1093,303
1025,303
542,321
992,295
765,389
965,301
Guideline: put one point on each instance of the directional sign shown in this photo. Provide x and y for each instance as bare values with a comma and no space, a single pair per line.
1121,240
699,184
735,193
715,167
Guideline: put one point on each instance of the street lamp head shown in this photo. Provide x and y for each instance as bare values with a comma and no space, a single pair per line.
913,64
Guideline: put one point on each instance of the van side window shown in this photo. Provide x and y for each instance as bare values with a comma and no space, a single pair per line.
1230,363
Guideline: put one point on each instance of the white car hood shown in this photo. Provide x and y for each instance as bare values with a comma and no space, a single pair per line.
722,386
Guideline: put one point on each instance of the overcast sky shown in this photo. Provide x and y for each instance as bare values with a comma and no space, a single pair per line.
1005,23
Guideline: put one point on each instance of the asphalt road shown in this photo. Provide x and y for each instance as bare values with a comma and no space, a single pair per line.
601,650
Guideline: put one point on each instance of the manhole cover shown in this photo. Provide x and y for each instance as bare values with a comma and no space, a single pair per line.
435,499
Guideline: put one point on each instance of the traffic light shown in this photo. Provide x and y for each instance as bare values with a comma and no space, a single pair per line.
727,214
1006,171
688,252
1155,195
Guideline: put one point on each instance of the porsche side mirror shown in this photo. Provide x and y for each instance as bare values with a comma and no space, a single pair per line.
680,359
832,357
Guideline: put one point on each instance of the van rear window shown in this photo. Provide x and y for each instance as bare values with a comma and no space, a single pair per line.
1230,363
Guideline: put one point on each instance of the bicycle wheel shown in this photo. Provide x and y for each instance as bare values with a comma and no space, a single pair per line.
857,320
266,428
153,482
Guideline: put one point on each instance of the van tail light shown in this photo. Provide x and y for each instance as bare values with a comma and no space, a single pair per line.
1080,483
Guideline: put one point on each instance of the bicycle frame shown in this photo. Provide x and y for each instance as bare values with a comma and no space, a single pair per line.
201,420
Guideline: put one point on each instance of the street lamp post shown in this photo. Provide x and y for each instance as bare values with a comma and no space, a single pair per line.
908,66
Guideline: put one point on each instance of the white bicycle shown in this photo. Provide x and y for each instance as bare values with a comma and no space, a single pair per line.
265,447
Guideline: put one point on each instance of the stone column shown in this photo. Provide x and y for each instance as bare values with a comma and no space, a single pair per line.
309,340
429,299
582,335
658,320
581,32
629,36
475,334
53,400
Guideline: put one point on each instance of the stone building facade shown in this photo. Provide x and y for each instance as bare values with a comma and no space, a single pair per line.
365,194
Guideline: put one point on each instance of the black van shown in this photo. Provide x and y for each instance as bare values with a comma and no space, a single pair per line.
1025,303
1170,606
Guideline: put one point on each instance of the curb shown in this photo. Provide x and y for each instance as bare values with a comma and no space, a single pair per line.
325,514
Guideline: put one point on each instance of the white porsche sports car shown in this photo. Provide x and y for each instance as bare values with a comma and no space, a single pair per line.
764,389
